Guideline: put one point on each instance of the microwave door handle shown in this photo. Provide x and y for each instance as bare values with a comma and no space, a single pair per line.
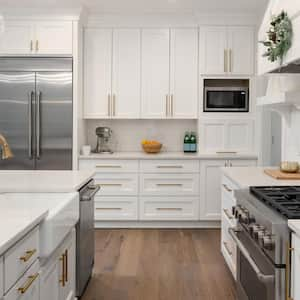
262,277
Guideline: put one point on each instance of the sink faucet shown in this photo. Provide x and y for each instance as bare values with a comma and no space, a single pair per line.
5,149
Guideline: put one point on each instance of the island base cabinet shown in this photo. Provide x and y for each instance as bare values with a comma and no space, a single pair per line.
57,280
27,288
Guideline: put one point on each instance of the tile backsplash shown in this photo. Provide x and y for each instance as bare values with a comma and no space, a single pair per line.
128,134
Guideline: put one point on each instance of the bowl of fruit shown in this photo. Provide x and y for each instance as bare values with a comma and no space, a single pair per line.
151,146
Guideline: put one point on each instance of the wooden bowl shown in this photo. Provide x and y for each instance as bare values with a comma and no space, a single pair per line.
148,148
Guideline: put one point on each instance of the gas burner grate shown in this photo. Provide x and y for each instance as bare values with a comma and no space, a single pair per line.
284,199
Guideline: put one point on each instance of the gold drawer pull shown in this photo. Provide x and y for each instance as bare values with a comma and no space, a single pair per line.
227,214
226,152
28,255
227,248
109,166
108,208
227,188
169,184
169,167
63,275
170,208
109,184
27,285
66,266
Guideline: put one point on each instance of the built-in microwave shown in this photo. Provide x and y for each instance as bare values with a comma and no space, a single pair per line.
226,99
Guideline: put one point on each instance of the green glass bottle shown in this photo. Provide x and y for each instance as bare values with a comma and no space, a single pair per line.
186,143
193,142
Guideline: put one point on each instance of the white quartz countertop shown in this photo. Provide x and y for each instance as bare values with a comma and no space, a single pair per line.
169,155
244,177
16,222
295,226
43,181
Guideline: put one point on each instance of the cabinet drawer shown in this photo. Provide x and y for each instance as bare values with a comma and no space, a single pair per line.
227,204
117,184
170,166
1,277
109,166
18,259
27,288
169,184
228,186
116,208
169,208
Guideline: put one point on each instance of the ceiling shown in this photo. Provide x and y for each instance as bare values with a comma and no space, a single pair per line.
149,6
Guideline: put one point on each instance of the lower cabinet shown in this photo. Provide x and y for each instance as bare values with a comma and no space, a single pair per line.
295,268
57,279
1,277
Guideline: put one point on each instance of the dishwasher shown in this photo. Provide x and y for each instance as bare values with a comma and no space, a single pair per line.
85,240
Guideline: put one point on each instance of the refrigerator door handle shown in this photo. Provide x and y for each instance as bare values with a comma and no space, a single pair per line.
38,125
31,98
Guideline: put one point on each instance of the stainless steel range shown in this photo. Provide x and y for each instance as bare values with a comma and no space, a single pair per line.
263,241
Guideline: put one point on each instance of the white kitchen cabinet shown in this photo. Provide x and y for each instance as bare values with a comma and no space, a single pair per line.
155,73
37,37
1,277
17,38
183,99
57,279
126,76
226,50
235,135
295,267
97,72
53,37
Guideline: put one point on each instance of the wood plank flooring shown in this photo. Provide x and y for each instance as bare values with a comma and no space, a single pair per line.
156,264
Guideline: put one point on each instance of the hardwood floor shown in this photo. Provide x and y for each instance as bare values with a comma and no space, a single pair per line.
159,265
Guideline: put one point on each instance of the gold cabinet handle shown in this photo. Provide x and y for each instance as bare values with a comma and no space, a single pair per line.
63,276
28,284
227,248
109,166
31,45
114,105
109,184
28,255
225,61
169,184
37,45
227,214
109,105
227,188
66,266
226,152
172,105
170,167
108,208
167,105
230,61
289,250
169,208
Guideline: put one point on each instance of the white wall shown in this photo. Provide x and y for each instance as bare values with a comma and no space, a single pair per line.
128,134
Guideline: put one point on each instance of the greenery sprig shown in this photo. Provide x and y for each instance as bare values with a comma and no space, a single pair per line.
279,39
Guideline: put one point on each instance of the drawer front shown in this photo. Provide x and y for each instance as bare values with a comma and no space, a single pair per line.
228,247
116,208
109,166
227,203
169,208
169,166
117,184
228,186
18,259
169,184
1,277
27,288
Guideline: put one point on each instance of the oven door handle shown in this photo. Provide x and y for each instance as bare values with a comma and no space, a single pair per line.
262,277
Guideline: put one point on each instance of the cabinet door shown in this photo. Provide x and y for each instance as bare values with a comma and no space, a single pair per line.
184,73
49,282
97,73
155,73
212,46
241,50
126,73
295,268
210,189
53,37
17,38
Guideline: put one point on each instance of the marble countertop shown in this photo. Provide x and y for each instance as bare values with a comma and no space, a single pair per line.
244,177
295,226
169,155
43,181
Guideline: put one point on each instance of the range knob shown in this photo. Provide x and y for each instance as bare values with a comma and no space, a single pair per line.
260,236
268,242
258,229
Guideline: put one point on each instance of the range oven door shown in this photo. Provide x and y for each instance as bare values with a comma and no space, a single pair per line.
257,277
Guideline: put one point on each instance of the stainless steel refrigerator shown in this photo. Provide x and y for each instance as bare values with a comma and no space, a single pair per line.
36,114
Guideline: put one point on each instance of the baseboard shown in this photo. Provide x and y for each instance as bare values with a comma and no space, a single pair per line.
158,224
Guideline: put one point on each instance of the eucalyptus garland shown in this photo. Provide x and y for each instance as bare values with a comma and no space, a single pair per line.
280,37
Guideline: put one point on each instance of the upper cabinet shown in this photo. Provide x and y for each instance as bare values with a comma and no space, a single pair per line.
38,37
155,73
112,73
170,73
226,50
